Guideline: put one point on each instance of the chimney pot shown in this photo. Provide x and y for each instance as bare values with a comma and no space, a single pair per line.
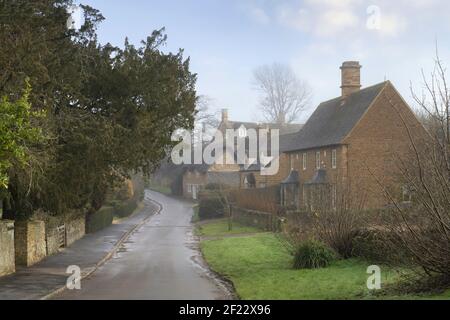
224,115
351,77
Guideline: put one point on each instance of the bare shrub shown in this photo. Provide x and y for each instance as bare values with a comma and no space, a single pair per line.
338,223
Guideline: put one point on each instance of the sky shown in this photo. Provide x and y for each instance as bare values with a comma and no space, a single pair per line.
227,39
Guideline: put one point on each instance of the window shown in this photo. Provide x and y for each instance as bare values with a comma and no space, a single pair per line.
292,161
334,159
189,187
242,132
305,159
318,160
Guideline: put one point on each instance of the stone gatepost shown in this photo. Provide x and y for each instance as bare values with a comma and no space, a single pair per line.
7,260
30,245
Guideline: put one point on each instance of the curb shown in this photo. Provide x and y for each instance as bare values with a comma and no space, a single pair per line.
109,255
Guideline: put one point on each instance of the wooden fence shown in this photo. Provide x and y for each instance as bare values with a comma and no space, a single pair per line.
263,199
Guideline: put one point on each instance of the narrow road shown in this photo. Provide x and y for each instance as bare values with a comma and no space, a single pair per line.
159,261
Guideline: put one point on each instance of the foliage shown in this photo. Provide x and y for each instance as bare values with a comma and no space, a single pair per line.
99,220
211,207
214,186
312,254
17,134
110,111
125,208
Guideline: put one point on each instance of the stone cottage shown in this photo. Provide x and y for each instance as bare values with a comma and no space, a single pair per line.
350,145
197,176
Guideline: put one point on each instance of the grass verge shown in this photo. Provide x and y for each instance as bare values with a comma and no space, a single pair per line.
260,268
161,189
218,228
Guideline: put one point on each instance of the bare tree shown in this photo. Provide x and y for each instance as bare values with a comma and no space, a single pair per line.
206,120
283,95
422,232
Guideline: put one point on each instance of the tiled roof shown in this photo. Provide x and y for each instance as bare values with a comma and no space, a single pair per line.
333,120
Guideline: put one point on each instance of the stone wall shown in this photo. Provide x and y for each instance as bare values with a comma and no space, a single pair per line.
7,260
262,220
75,229
52,241
29,242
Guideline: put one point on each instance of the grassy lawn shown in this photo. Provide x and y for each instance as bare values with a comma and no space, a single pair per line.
260,268
218,228
160,189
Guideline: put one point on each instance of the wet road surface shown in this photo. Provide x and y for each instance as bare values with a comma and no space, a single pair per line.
159,261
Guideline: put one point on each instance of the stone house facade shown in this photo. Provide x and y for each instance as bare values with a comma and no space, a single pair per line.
356,141
350,145
197,176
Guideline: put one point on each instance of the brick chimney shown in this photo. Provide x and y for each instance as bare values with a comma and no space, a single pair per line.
224,115
351,77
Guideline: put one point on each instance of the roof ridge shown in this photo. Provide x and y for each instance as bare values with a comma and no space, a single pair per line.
330,123
359,91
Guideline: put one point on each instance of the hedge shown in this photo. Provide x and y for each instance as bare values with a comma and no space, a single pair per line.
210,208
99,220
125,208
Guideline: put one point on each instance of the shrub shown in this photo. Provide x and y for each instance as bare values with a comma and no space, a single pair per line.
338,226
211,208
125,209
370,246
99,220
313,254
214,186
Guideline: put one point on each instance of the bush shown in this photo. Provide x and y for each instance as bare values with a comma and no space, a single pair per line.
99,220
211,208
312,254
371,245
125,209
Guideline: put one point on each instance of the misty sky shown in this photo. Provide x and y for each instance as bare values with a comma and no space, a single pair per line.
227,39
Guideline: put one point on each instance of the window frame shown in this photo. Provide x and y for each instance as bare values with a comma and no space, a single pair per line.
334,159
